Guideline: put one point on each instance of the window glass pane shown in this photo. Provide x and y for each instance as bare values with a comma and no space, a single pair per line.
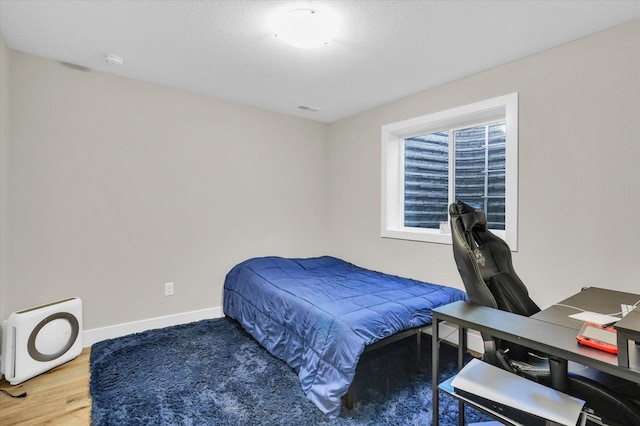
480,170
426,180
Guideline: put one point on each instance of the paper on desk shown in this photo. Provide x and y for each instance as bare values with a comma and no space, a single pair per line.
595,318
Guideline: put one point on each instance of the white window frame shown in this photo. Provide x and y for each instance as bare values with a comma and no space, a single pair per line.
393,136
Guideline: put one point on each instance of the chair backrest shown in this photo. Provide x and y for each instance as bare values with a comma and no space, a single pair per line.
484,263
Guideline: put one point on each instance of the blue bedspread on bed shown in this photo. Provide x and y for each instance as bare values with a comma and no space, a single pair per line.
318,315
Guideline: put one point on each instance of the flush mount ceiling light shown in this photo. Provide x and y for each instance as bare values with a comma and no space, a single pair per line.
304,28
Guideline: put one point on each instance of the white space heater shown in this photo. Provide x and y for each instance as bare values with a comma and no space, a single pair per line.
37,339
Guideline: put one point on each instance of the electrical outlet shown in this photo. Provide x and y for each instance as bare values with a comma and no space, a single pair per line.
168,289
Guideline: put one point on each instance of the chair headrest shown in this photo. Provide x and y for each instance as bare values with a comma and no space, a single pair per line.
471,217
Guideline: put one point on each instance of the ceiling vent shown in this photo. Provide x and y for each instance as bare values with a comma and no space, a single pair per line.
308,108
114,60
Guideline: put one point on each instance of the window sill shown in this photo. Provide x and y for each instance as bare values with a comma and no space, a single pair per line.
428,235
413,234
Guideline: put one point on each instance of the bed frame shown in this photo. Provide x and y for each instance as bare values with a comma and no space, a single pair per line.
349,399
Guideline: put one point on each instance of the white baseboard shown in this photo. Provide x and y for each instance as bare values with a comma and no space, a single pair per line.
449,333
103,333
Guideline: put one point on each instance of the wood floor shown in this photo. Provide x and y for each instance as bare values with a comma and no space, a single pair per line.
57,397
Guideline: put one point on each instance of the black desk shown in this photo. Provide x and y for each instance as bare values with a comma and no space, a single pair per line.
593,299
603,301
538,334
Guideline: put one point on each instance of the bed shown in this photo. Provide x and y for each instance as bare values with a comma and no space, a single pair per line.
319,315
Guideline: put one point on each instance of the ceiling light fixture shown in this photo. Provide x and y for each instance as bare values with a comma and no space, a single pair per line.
304,28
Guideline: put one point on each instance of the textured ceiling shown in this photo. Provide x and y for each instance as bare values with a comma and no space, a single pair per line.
385,50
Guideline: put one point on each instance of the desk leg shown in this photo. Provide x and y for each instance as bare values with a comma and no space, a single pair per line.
462,348
435,372
559,373
623,349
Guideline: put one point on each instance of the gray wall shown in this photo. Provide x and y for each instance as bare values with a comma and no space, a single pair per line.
4,173
118,186
579,169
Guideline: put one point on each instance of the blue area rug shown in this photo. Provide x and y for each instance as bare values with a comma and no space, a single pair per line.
213,373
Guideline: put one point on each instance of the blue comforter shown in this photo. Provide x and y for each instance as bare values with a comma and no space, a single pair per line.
318,315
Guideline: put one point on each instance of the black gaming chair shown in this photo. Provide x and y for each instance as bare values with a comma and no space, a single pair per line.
484,263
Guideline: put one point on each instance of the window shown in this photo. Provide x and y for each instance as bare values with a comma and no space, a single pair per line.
468,153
